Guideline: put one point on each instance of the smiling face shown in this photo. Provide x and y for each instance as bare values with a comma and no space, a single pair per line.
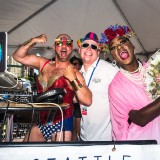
122,51
89,51
63,47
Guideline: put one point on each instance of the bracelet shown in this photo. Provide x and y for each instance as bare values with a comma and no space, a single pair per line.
76,84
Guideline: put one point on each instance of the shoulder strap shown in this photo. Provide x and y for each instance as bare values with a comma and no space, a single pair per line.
44,65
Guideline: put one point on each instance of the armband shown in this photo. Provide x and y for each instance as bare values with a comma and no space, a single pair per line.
76,84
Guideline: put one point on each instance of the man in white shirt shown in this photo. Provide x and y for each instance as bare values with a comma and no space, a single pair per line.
95,121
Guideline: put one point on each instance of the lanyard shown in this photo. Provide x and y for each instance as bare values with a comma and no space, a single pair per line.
93,72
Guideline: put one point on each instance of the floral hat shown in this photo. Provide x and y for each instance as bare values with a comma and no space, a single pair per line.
113,31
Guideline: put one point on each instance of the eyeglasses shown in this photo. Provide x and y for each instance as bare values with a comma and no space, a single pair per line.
67,43
86,45
123,41
64,41
75,63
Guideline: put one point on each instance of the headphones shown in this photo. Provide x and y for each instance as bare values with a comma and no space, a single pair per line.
52,96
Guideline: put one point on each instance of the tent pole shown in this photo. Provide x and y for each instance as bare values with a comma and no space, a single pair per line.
124,17
31,16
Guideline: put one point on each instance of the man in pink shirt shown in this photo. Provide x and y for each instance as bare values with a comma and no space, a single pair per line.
134,114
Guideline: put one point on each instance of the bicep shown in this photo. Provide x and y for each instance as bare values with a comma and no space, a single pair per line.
30,60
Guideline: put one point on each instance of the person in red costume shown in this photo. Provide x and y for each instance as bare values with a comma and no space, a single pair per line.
55,74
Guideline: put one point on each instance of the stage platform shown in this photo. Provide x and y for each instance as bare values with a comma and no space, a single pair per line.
105,150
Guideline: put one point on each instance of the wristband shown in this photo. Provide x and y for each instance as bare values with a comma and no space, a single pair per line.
76,84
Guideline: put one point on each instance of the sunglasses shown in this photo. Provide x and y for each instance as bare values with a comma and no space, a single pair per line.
63,41
86,45
67,43
75,64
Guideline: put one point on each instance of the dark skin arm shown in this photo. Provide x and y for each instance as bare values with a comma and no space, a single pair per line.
145,115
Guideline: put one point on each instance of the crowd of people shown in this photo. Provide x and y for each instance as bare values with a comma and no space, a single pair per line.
107,101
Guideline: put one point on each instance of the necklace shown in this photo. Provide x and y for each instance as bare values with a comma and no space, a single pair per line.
136,76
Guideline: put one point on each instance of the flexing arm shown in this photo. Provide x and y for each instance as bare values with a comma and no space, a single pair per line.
83,93
145,115
21,54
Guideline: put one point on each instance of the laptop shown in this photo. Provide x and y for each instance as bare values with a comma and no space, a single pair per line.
7,79
3,51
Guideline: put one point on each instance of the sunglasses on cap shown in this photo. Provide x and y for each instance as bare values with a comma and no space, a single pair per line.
86,45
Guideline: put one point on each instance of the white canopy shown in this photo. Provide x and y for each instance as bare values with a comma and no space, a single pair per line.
23,19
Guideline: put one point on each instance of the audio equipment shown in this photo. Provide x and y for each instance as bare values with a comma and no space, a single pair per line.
20,97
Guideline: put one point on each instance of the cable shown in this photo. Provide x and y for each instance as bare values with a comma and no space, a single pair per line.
9,78
114,146
31,124
21,83
33,112
61,131
4,118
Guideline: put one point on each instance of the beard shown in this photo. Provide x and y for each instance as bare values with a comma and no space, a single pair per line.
62,59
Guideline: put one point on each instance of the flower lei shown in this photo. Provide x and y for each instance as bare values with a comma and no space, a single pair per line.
112,32
152,76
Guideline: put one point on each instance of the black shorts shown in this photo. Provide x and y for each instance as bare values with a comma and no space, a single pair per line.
77,111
